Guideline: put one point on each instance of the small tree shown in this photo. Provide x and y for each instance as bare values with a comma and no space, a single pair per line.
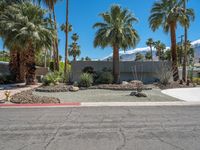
148,56
160,47
150,43
74,48
139,57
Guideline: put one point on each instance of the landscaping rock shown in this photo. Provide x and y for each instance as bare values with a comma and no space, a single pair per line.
124,83
120,87
2,101
137,83
27,97
74,89
138,94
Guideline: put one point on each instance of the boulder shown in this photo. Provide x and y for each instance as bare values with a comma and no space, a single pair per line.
138,94
74,89
124,83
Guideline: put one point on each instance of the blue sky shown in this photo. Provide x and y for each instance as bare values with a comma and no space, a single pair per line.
84,13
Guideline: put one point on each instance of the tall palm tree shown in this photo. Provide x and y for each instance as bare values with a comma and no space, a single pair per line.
160,47
66,37
167,14
51,5
23,26
116,31
185,60
150,43
74,48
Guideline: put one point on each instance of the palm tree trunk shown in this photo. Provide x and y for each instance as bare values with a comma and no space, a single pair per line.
174,52
56,43
66,36
159,54
13,64
22,66
45,58
151,53
30,64
184,73
116,68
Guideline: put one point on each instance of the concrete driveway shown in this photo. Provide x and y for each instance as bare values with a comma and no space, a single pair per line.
101,128
186,94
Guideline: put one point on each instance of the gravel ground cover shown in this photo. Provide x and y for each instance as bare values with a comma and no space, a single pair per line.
101,95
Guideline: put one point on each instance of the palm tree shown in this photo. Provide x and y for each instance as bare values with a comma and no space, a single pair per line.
167,14
14,66
185,60
116,31
23,26
74,48
150,43
51,5
66,36
160,47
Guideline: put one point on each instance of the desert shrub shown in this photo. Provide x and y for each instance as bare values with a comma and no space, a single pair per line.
164,73
52,78
105,78
86,80
6,79
88,69
196,80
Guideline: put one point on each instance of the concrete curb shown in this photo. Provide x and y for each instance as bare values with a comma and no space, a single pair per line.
100,104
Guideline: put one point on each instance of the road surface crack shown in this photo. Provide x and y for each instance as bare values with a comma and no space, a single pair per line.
123,137
163,141
57,131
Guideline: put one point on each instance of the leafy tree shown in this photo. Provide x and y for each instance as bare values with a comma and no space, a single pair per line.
88,58
139,57
150,43
116,31
4,56
167,55
167,14
160,47
148,56
74,48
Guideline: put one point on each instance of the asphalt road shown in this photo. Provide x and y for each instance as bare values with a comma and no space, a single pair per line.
103,128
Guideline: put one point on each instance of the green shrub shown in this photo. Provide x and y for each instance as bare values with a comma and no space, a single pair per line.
105,78
86,80
6,79
52,78
88,69
196,80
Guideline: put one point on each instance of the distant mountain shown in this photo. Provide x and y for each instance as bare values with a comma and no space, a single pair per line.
130,54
